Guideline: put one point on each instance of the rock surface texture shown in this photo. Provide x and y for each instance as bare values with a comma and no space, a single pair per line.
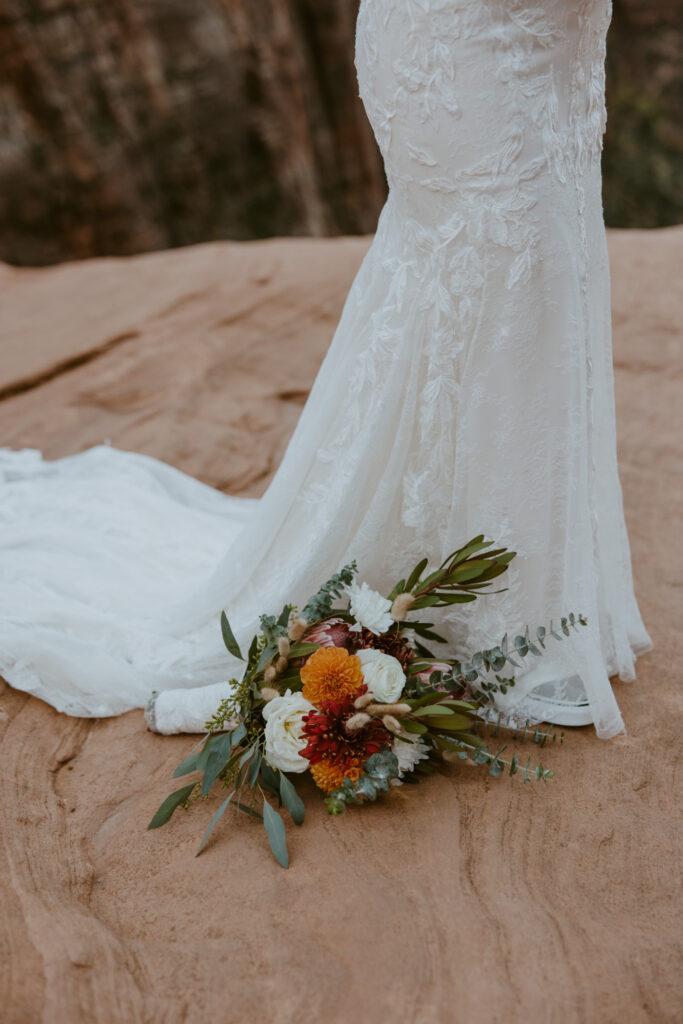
466,898
134,125
129,126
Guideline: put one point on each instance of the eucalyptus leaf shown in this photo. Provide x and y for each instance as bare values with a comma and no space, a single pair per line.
467,739
216,818
205,752
233,759
292,800
249,810
238,734
248,753
275,828
320,605
521,646
382,765
284,616
188,765
335,805
229,637
270,779
169,805
254,769
253,653
366,787
218,758
266,656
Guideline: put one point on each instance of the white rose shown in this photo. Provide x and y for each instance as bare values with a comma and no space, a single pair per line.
369,608
284,732
382,675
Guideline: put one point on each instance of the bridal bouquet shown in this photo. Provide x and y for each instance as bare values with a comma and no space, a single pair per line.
346,691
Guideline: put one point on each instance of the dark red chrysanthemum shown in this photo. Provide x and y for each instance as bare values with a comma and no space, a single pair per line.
334,753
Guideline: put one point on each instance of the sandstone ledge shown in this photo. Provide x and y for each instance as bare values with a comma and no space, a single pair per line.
468,898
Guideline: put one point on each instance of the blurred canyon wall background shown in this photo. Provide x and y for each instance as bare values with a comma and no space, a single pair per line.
131,125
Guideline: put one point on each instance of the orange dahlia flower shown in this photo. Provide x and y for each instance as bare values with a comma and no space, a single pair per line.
329,776
331,673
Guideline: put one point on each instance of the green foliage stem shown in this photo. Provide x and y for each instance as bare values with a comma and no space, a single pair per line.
320,605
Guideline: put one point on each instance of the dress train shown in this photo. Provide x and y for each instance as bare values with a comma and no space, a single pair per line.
468,389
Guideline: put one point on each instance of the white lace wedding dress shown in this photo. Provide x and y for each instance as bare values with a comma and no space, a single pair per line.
468,389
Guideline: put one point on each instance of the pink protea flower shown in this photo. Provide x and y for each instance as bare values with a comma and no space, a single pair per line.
338,633
331,633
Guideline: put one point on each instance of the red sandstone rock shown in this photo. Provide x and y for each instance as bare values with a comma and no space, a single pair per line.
463,899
